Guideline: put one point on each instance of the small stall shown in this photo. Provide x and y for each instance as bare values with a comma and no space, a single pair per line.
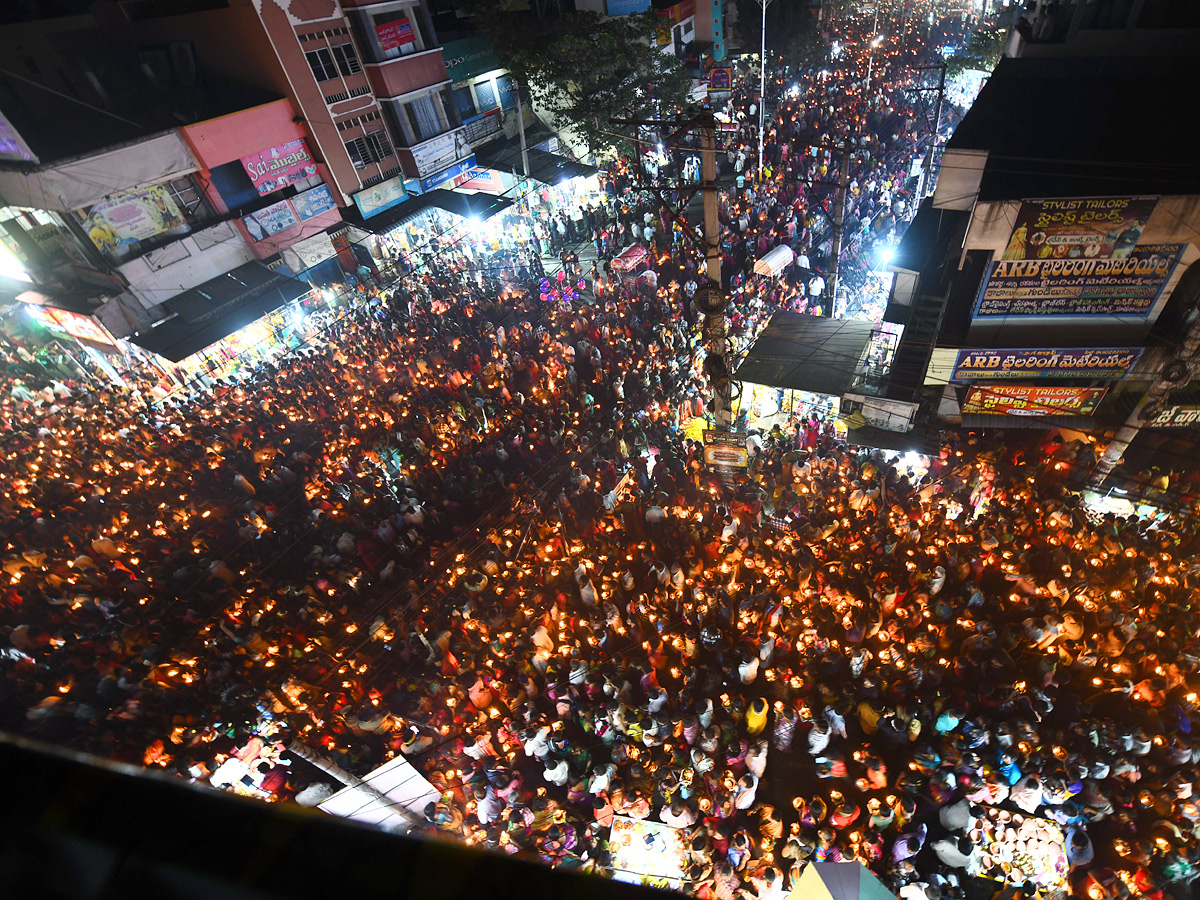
630,261
775,261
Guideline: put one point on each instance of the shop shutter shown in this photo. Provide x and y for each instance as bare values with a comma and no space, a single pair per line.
234,185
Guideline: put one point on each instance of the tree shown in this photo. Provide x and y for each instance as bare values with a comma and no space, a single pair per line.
586,71
982,52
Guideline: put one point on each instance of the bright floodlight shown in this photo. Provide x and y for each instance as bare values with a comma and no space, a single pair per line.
886,255
10,266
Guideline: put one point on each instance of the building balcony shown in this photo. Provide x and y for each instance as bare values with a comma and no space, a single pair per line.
405,74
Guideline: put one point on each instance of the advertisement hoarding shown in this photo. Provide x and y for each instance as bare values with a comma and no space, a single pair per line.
627,7
1058,362
439,152
270,220
82,327
1020,400
277,167
132,216
1127,286
313,202
1086,227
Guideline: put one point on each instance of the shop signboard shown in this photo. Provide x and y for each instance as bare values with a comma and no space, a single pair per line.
455,171
270,220
61,320
277,167
488,180
1176,417
1021,400
395,34
725,452
1058,362
627,7
469,57
132,216
379,197
1079,227
720,78
1123,286
313,202
439,152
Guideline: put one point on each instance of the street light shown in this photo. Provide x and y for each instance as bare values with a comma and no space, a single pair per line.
875,42
762,89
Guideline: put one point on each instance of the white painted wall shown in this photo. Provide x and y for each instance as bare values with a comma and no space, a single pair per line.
171,270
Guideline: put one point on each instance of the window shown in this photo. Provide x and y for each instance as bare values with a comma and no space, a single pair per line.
371,148
464,102
422,118
347,59
321,63
486,96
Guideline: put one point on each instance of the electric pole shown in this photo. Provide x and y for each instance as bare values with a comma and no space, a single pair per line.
839,218
709,298
521,127
937,121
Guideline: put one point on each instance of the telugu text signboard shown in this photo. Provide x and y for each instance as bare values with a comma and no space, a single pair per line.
277,167
1019,400
1128,286
1176,417
313,202
270,220
1057,362
395,34
725,452
1079,227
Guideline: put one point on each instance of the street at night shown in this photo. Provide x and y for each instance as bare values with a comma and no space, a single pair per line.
617,487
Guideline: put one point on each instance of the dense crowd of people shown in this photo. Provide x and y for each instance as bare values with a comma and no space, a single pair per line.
463,524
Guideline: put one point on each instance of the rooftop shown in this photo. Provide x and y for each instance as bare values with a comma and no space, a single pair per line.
1078,127
81,91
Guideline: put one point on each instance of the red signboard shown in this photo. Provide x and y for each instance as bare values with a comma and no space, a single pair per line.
272,169
1018,400
395,34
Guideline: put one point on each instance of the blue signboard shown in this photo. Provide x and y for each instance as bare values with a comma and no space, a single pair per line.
462,167
626,7
313,202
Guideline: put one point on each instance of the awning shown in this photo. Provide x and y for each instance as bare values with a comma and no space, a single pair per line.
807,353
775,261
548,168
469,206
217,308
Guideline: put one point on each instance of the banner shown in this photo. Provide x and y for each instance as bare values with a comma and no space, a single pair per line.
1127,286
458,170
488,180
1176,417
270,220
395,34
1007,364
132,216
272,169
1015,400
720,78
313,202
1088,227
